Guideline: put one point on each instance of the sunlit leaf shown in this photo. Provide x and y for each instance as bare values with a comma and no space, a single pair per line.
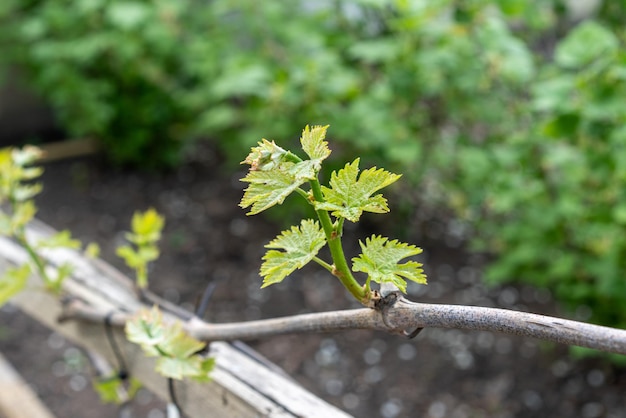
92,250
267,188
62,239
181,367
177,351
13,281
587,42
146,227
313,143
23,213
25,156
179,344
25,192
146,329
63,272
351,194
380,259
111,388
130,256
299,245
267,156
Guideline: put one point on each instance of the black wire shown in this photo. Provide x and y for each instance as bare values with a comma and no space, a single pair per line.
108,329
173,398
200,311
206,296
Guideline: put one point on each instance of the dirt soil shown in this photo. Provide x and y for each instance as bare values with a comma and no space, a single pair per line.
441,373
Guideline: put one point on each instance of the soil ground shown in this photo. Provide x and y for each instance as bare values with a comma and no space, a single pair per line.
441,373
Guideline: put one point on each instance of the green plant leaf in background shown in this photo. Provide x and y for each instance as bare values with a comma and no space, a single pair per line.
146,232
588,42
146,227
177,352
380,259
352,194
114,390
13,281
146,329
62,239
299,245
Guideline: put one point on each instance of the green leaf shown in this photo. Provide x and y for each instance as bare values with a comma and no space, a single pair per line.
13,281
92,250
127,15
588,42
25,156
63,272
177,351
267,156
313,143
146,329
178,368
380,260
268,188
146,227
350,194
130,256
23,214
62,239
299,245
24,192
179,344
109,389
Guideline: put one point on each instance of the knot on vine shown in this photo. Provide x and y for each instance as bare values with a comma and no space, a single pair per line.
385,305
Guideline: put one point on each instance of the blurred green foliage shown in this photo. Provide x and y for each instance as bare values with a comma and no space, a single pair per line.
510,112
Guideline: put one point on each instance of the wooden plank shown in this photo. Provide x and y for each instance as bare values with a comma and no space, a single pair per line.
17,399
241,387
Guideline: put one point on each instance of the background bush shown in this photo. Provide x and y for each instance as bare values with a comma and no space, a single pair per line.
509,112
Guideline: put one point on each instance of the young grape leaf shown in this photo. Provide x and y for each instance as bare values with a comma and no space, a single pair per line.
299,245
267,156
177,351
177,343
24,212
268,188
111,388
313,143
350,194
62,239
63,272
380,260
180,349
146,329
195,367
146,227
13,281
92,250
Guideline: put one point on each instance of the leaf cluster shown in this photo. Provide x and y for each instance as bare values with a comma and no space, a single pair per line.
275,173
17,190
178,353
146,232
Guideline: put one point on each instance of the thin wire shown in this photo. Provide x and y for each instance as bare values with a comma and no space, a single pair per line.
173,398
108,329
206,296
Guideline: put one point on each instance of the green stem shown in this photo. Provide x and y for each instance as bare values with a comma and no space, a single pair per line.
323,264
39,264
340,267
